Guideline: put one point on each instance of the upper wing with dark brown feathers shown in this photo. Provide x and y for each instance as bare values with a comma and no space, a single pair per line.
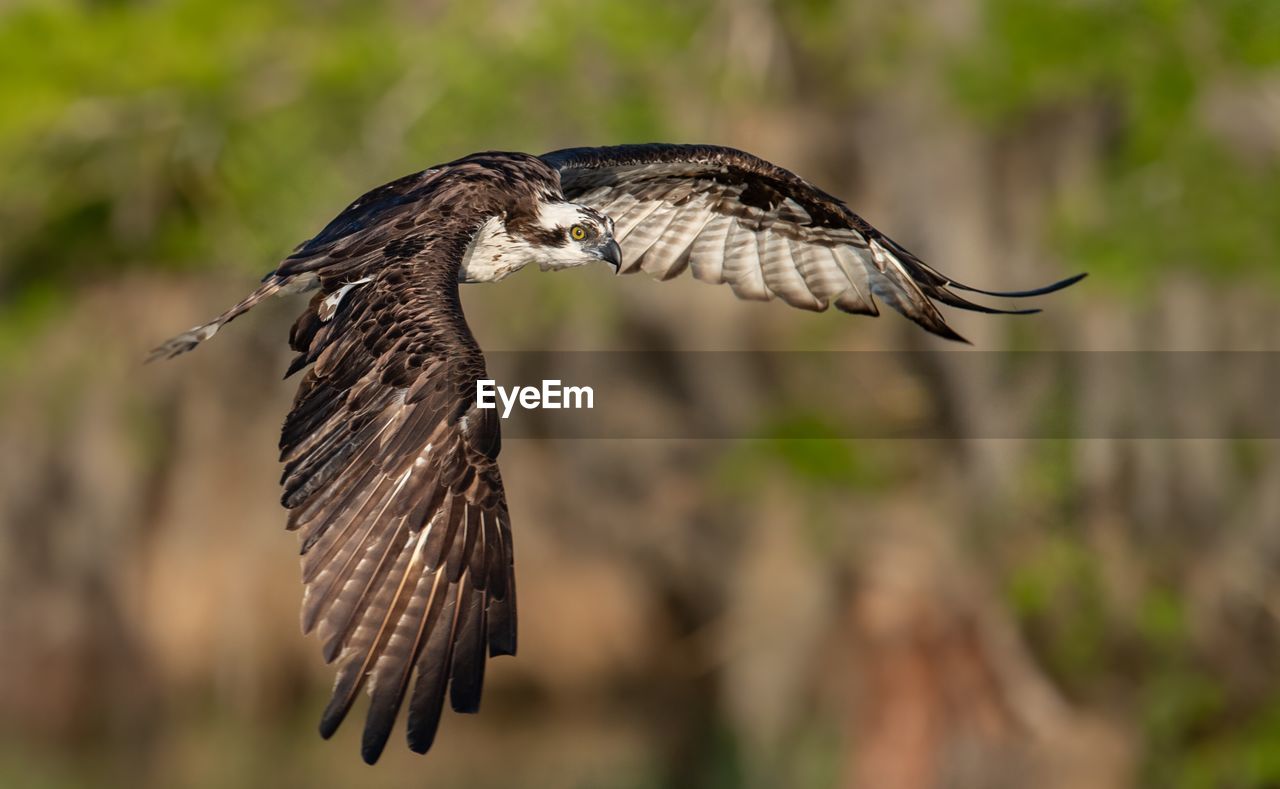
392,482
733,218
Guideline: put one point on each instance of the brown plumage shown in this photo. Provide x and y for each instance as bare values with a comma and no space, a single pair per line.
390,469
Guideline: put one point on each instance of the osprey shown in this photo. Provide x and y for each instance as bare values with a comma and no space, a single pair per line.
390,469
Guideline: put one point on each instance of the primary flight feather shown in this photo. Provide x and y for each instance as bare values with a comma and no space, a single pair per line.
390,470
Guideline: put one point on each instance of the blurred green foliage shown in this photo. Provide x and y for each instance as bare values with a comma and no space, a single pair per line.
1174,194
181,134
1201,727
192,133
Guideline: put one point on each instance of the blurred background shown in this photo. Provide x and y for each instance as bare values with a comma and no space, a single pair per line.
954,612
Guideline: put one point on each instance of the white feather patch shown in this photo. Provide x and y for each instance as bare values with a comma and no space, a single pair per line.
852,263
559,215
742,265
819,270
707,256
494,254
329,307
623,225
781,275
645,235
664,257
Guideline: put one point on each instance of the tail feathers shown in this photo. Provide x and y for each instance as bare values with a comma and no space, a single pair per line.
189,339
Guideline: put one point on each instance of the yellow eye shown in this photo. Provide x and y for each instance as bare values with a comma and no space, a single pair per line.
577,232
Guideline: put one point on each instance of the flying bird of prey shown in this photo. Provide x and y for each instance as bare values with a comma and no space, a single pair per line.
390,470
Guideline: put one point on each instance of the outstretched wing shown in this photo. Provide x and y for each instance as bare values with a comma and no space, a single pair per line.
392,482
733,218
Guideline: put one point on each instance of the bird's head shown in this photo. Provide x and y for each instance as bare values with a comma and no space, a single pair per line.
570,235
557,235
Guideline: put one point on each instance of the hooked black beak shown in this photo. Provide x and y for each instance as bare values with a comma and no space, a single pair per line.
611,253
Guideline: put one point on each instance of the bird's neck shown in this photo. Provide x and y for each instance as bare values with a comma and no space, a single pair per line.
494,253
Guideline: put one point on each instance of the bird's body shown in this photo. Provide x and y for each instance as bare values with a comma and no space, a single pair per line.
391,473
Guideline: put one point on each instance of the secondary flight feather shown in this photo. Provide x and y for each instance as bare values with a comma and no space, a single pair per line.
390,470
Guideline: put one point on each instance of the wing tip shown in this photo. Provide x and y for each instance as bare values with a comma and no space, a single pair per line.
336,712
179,344
467,705
329,724
421,733
1022,294
374,742
944,330
943,295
